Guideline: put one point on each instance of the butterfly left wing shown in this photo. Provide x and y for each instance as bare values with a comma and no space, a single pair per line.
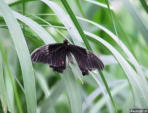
53,54
43,54
86,60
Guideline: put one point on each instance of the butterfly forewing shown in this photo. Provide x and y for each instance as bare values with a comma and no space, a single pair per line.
53,54
41,55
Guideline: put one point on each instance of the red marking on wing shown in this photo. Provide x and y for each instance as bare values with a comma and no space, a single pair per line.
63,63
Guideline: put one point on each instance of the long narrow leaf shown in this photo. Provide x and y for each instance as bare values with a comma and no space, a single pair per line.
138,83
76,23
23,55
140,22
97,107
97,3
73,91
54,95
35,27
65,19
3,94
120,43
10,77
144,4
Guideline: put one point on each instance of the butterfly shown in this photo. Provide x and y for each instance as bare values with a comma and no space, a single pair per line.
55,55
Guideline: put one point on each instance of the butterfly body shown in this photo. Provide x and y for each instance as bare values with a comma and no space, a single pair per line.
55,56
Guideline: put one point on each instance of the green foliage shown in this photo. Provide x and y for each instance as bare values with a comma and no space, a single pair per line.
98,25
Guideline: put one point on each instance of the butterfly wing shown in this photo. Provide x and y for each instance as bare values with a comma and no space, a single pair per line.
59,60
44,54
86,60
54,55
94,62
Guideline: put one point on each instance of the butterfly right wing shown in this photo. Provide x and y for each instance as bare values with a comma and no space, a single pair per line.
86,60
80,55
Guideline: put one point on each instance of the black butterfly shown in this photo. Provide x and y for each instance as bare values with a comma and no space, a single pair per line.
55,56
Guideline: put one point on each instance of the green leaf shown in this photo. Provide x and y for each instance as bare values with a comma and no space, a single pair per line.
130,56
42,82
140,22
23,55
73,91
97,3
65,19
97,107
104,93
49,102
138,83
12,82
3,94
35,27
76,23
144,4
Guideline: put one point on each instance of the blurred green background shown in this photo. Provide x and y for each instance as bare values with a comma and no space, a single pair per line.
115,30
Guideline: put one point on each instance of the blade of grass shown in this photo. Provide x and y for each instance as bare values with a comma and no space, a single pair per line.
96,3
93,95
112,18
23,12
3,94
65,19
138,83
145,6
50,25
131,58
138,19
42,82
97,107
53,97
35,27
19,2
76,23
73,91
23,55
103,92
80,8
10,92
11,78
114,24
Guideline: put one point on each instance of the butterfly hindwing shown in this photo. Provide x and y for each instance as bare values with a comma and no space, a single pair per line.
80,55
86,60
94,62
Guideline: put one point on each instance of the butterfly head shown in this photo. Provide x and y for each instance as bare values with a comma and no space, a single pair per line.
66,42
